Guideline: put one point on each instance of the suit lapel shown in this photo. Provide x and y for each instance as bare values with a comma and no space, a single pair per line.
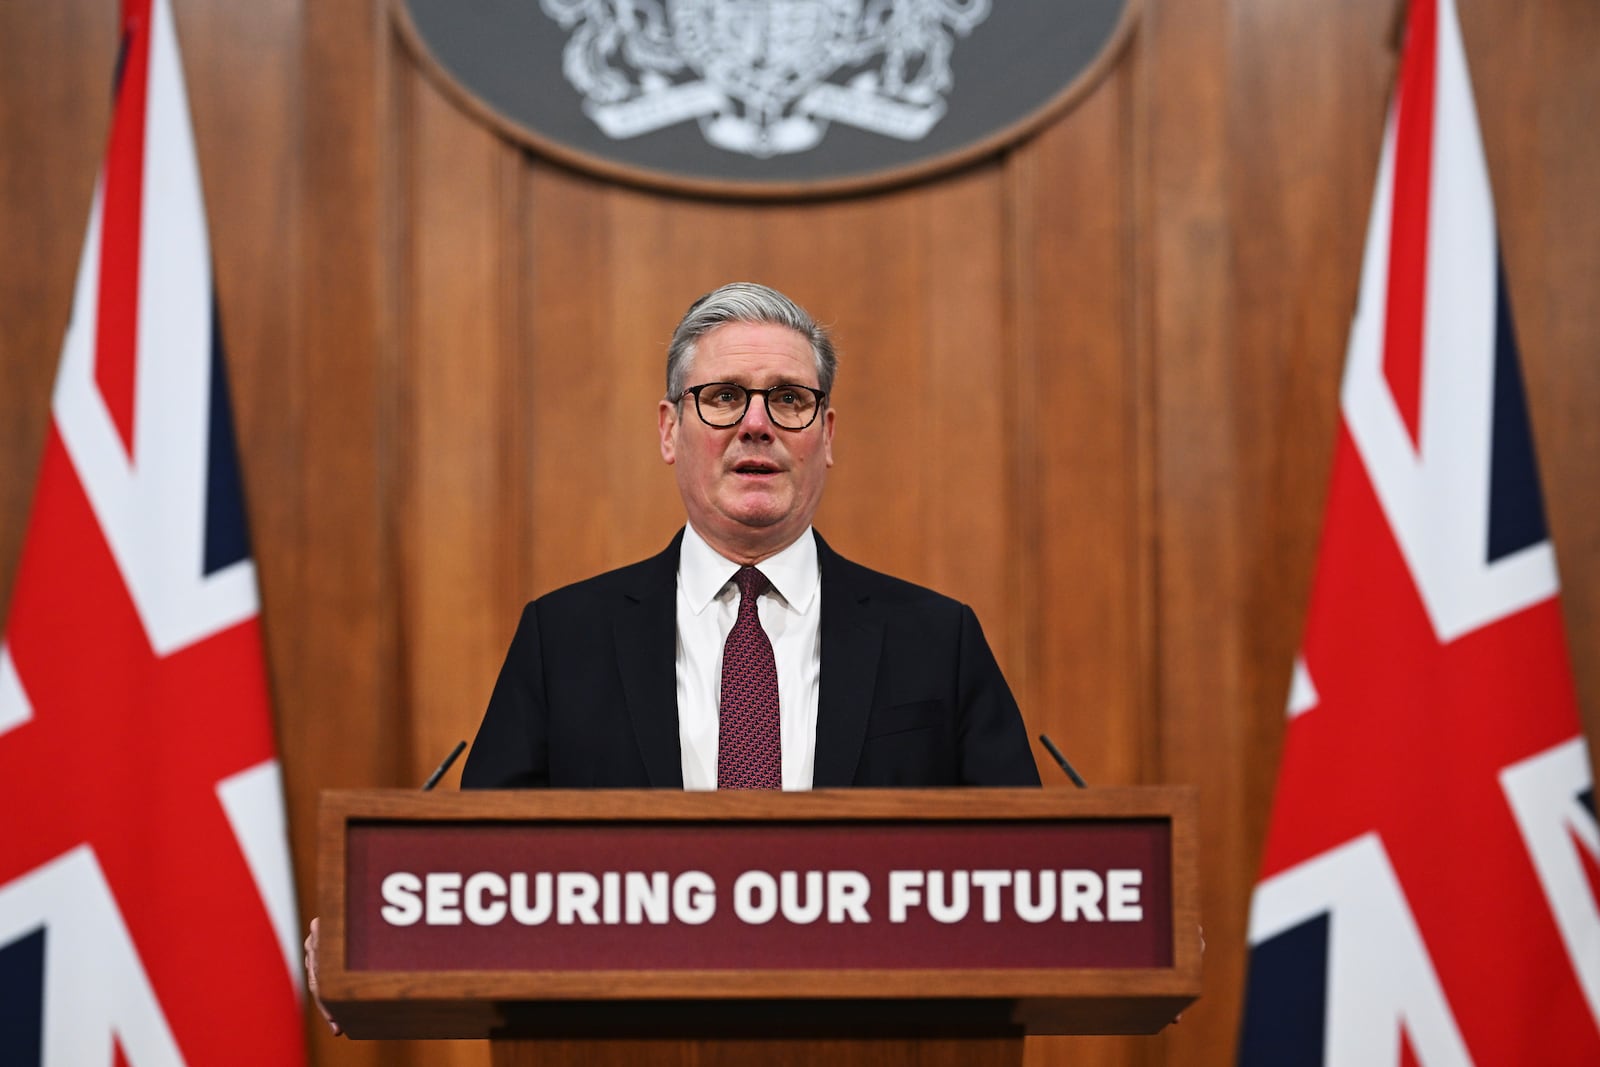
646,629
852,637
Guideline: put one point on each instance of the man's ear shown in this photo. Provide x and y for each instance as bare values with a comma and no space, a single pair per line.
827,436
667,425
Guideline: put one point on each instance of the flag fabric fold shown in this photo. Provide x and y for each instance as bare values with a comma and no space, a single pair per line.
1429,889
146,904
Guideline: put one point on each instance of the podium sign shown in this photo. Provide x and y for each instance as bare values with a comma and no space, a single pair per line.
479,914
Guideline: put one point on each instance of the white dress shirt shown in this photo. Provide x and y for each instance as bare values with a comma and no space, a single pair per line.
791,613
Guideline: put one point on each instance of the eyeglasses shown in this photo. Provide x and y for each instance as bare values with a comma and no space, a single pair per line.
724,404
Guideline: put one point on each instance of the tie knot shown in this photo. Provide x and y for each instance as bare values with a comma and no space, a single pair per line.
751,582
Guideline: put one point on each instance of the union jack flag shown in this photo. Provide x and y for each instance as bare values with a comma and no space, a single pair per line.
146,908
1428,894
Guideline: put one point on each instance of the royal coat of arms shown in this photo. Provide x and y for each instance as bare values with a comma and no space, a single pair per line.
763,77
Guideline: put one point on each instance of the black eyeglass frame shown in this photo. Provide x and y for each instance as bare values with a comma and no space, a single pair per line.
749,394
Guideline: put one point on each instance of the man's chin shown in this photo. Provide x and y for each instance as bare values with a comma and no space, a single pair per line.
757,520
758,526
758,509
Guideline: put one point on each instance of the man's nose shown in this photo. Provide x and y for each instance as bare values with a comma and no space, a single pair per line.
756,421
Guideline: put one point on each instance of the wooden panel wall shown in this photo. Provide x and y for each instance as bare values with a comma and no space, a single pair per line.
1088,386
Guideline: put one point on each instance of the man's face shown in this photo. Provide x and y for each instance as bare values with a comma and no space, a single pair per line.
750,489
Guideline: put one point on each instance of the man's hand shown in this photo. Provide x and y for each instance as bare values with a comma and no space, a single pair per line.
311,977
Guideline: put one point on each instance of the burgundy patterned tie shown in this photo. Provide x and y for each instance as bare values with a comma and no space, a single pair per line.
749,755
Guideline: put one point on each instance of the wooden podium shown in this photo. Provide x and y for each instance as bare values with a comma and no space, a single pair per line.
839,926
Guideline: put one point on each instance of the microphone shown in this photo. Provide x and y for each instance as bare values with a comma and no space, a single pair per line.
1050,745
433,779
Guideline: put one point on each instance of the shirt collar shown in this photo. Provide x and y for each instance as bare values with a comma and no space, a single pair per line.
703,571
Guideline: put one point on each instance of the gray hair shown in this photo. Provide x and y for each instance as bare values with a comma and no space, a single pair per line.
750,303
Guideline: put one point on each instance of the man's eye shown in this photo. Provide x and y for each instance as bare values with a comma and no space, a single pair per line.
725,396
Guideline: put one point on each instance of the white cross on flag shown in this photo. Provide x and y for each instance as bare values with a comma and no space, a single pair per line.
1428,894
146,908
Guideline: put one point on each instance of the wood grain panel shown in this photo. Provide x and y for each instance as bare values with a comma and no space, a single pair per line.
458,471
913,288
958,384
337,687
1075,220
1310,91
1077,465
1199,526
1083,395
457,484
55,112
595,382
1306,97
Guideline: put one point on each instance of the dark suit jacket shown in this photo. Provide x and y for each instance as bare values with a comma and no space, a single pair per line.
910,694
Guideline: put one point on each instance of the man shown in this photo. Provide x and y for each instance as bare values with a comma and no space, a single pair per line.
620,681
651,676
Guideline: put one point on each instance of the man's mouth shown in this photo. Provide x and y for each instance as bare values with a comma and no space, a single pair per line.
754,468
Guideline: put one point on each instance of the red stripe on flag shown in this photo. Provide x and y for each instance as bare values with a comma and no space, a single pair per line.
117,316
1408,1055
1408,222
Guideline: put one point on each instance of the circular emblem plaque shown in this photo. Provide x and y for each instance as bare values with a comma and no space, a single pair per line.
766,97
